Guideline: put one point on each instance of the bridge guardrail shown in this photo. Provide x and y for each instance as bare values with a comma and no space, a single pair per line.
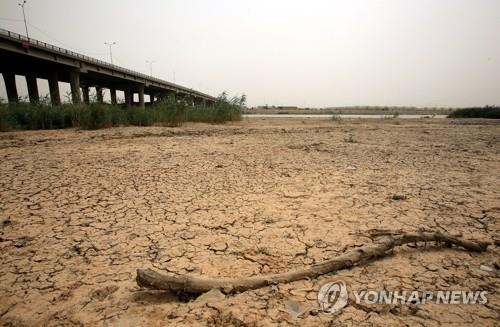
54,48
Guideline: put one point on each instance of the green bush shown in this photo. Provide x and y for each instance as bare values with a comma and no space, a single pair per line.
492,112
224,110
27,116
93,116
6,120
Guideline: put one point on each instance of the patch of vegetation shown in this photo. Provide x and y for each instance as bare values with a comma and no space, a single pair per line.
336,118
492,112
169,112
225,110
27,116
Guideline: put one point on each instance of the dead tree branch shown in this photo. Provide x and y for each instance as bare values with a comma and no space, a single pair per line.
387,241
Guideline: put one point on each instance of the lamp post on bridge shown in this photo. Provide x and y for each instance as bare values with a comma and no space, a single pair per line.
24,16
150,62
110,50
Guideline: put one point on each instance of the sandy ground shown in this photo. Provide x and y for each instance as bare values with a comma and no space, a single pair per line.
82,210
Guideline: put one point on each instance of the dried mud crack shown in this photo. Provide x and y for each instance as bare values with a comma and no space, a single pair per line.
80,211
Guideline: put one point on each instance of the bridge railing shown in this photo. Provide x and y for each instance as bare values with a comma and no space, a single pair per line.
67,52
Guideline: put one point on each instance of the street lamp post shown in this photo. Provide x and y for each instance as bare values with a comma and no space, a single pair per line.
150,62
110,50
24,16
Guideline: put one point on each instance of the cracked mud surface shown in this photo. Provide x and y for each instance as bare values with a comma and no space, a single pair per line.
81,211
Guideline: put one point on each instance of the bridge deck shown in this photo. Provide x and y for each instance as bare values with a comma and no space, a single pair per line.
26,56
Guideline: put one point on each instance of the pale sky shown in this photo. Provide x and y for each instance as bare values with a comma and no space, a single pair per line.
311,53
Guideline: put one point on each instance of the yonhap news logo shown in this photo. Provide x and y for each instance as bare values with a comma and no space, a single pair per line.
334,296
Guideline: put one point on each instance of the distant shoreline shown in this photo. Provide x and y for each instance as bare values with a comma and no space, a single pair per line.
343,116
349,111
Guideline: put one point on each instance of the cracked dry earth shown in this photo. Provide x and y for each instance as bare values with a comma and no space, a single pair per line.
82,210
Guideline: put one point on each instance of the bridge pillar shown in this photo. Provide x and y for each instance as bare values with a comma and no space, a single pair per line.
151,98
10,86
98,94
32,89
141,96
128,96
112,92
86,94
74,81
55,96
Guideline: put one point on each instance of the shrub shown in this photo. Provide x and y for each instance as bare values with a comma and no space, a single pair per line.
93,116
492,112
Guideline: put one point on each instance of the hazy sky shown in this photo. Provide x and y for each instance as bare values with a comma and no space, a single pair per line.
306,53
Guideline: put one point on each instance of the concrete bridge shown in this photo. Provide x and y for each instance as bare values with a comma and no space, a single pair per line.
34,59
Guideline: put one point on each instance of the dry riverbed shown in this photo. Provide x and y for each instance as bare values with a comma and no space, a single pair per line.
82,210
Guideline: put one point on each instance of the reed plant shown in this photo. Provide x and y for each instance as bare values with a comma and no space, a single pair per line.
170,112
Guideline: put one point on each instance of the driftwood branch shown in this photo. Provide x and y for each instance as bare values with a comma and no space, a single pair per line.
385,242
